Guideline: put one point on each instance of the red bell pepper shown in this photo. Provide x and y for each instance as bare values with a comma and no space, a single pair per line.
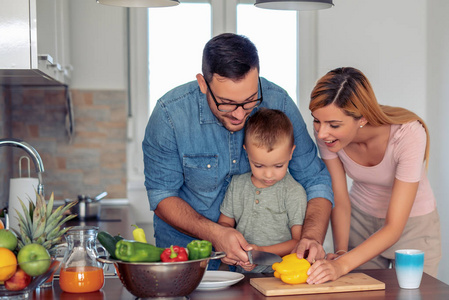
174,253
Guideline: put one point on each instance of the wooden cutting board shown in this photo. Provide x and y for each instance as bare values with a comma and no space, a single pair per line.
271,286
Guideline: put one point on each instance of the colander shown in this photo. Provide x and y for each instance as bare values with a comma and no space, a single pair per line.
174,280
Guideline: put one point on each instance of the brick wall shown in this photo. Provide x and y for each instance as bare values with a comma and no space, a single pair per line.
94,160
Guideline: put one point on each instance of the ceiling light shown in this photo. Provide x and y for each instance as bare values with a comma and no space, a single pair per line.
139,3
294,4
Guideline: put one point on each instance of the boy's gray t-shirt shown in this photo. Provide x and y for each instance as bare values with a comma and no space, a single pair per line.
265,215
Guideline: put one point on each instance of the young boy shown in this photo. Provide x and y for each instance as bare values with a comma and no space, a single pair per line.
267,204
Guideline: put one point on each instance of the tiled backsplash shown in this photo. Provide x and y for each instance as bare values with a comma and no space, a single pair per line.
94,160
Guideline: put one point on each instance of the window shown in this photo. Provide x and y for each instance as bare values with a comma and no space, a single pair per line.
276,41
176,39
178,34
166,48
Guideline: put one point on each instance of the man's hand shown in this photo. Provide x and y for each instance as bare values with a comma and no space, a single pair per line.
309,249
233,244
314,230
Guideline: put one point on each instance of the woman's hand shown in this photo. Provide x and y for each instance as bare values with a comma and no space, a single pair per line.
331,256
324,270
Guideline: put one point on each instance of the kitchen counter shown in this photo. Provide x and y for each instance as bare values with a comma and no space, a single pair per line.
118,219
431,288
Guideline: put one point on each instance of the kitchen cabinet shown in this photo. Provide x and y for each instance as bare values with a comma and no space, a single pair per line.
34,42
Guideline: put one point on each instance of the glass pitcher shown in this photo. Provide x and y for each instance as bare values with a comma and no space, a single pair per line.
80,270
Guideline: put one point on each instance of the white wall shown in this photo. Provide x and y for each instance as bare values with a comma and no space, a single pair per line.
403,48
98,46
384,39
438,111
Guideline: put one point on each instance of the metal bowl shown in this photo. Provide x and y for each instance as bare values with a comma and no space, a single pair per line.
161,280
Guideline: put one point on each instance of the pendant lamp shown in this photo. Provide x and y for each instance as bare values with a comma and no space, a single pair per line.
294,4
139,3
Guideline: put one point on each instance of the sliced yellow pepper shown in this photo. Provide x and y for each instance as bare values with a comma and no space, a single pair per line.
291,269
139,234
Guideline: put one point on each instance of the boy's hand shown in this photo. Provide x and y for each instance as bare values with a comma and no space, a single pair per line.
247,267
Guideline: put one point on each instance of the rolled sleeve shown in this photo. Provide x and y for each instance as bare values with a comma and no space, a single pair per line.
320,191
163,172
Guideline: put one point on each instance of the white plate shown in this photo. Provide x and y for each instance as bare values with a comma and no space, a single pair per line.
215,280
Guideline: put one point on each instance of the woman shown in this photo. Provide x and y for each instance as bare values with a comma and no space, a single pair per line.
385,151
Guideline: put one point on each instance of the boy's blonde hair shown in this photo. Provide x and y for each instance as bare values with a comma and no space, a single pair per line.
267,127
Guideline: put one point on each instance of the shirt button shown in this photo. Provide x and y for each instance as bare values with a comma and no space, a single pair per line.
234,161
257,201
208,166
257,192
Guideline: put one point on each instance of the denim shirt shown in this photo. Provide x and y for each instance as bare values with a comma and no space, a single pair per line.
189,154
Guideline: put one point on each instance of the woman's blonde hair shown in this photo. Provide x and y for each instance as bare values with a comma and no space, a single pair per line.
350,90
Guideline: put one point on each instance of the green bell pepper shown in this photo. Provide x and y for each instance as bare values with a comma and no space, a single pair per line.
133,251
199,249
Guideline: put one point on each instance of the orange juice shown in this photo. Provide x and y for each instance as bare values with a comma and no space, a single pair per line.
81,279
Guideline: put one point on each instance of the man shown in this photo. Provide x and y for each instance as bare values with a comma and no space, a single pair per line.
193,145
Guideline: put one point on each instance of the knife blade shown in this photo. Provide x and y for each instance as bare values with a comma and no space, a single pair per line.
262,258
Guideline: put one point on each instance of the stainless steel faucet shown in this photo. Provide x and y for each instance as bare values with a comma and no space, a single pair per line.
34,156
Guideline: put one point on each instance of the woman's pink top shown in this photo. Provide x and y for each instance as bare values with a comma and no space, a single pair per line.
372,186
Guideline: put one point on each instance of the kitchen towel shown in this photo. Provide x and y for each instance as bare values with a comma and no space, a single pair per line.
25,189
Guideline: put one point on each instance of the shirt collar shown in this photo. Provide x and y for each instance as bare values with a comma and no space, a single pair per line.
206,116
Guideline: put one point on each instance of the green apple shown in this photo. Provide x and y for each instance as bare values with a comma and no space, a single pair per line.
34,259
8,239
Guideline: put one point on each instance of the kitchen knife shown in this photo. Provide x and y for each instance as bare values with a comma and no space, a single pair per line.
262,258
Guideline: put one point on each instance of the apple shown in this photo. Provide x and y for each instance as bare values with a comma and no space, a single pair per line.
34,259
18,281
8,239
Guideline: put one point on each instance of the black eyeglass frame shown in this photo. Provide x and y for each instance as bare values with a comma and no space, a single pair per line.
237,105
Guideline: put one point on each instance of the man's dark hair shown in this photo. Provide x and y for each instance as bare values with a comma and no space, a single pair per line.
229,55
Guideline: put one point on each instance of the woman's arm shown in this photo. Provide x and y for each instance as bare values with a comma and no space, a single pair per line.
401,202
341,213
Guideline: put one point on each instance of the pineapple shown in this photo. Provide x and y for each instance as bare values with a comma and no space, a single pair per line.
40,225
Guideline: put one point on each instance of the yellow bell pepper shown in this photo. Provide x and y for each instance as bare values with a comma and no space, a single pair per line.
291,269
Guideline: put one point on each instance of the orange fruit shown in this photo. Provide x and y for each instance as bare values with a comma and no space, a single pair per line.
8,264
1,225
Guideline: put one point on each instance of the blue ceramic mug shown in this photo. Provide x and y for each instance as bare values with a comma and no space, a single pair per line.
409,266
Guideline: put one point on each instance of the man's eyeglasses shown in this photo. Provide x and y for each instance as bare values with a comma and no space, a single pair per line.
228,107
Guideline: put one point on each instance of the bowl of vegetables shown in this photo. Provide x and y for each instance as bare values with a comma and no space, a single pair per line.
147,271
